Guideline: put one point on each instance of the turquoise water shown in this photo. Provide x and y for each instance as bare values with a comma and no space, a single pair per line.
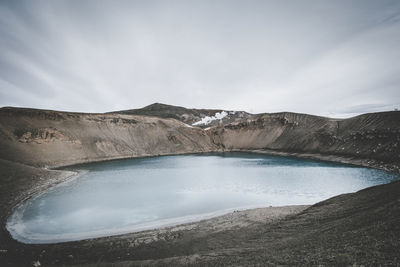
123,196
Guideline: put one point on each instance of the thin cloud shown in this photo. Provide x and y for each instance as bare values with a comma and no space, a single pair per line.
314,57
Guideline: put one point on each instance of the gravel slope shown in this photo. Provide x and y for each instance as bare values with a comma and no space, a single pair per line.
362,228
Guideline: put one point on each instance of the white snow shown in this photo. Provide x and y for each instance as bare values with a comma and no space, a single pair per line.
207,119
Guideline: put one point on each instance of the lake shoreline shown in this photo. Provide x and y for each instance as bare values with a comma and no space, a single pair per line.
233,181
47,178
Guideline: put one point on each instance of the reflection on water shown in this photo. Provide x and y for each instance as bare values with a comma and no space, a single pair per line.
130,195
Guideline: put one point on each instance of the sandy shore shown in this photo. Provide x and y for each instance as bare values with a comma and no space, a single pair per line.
273,235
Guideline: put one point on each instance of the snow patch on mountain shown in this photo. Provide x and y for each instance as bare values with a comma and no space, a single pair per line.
207,119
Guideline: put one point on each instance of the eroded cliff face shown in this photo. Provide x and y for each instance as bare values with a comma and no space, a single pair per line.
51,138
369,136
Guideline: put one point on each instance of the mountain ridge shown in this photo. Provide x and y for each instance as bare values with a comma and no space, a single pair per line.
39,132
33,142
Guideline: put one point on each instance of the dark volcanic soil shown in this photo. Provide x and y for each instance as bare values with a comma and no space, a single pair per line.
355,229
358,228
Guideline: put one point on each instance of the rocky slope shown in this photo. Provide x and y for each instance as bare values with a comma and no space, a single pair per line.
353,229
189,116
52,138
369,136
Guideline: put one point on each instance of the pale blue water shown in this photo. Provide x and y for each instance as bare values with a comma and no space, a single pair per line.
130,195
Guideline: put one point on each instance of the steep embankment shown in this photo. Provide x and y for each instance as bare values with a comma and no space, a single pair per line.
52,138
370,136
351,229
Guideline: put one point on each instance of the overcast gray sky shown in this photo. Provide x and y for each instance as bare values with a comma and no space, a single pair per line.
336,58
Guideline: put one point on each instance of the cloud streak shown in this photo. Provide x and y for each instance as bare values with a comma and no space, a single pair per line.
319,57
